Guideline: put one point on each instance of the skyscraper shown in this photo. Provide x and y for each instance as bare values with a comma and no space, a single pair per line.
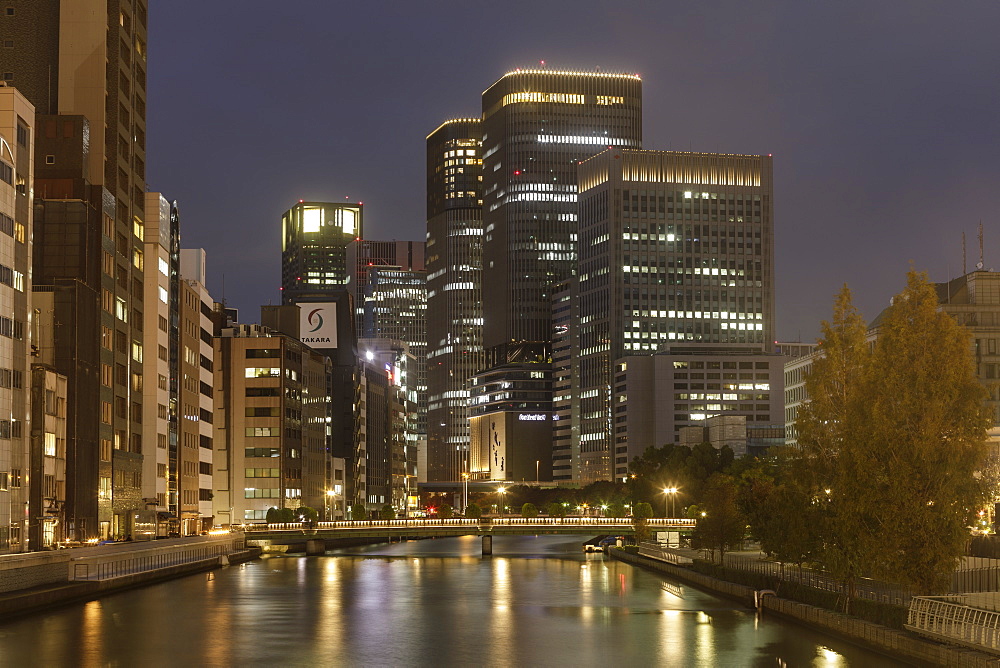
314,239
83,65
538,125
676,255
454,290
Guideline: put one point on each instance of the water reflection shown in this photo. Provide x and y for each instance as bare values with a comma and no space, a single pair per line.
432,602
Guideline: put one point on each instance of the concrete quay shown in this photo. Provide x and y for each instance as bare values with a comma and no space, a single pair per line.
34,581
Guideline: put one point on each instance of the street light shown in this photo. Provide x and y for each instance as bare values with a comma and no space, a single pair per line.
329,503
501,491
669,492
465,492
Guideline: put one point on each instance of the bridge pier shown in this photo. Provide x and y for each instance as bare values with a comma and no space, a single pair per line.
315,547
487,545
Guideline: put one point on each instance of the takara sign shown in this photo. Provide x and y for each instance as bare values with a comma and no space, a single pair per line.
318,325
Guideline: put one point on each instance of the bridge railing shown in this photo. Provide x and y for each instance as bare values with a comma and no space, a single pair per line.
947,617
469,522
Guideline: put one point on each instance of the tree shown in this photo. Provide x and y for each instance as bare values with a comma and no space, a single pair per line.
473,511
928,423
557,509
359,512
724,525
446,512
892,439
616,509
387,512
529,510
307,514
830,430
271,517
641,512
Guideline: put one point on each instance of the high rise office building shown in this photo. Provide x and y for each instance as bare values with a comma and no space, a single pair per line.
314,239
83,66
454,290
388,283
676,256
538,125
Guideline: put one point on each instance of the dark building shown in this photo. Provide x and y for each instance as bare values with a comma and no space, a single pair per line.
83,66
314,239
537,125
344,383
454,291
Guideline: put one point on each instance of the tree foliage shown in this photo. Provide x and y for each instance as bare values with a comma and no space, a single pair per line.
615,509
446,512
473,511
529,510
891,441
359,512
641,512
387,512
724,525
672,465
557,509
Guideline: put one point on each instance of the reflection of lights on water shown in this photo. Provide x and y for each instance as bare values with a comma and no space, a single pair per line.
831,657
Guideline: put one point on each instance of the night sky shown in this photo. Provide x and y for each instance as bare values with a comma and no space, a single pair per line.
882,118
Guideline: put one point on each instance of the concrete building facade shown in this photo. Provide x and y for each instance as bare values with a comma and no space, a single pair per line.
270,423
17,130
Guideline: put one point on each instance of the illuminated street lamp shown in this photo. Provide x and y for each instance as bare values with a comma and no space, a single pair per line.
329,503
670,493
502,491
465,490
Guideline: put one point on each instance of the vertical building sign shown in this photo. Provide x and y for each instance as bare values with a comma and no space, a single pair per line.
318,324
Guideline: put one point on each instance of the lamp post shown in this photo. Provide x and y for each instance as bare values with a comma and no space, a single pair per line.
502,491
669,493
465,492
537,462
329,503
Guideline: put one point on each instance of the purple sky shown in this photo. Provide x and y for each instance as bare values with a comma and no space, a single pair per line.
882,118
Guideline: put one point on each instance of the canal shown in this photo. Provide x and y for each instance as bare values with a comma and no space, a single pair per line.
538,601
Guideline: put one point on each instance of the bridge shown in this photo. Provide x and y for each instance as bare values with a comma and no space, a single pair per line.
315,535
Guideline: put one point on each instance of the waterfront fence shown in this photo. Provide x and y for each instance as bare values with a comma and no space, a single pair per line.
121,562
866,588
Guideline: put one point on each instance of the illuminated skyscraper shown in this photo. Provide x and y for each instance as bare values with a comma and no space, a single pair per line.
314,239
676,258
538,125
454,291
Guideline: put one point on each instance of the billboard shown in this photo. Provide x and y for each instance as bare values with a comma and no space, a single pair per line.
318,324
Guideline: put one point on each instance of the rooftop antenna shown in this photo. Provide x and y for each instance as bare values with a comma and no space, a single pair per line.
979,265
963,254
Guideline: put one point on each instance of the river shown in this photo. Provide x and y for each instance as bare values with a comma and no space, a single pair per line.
538,601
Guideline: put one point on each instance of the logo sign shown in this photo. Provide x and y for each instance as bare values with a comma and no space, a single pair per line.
533,417
318,324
